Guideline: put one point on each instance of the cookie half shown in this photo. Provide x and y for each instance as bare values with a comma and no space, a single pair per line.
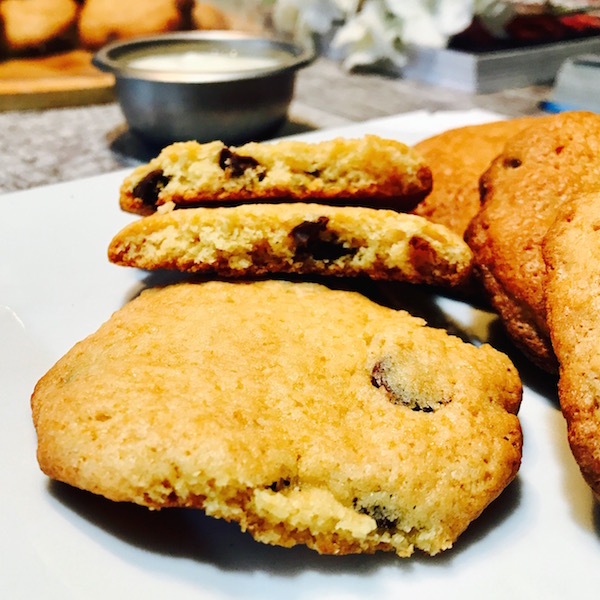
306,415
258,239
543,166
369,171
572,254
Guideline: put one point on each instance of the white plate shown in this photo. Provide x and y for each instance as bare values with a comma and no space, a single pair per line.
540,539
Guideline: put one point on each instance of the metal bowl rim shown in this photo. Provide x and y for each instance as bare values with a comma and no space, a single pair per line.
109,57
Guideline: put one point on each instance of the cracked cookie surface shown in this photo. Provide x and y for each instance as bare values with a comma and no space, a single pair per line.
255,402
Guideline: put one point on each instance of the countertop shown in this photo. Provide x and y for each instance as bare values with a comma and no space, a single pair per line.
39,147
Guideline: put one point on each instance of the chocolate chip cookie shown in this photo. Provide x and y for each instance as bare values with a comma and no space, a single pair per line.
457,158
369,171
306,415
554,160
572,253
259,239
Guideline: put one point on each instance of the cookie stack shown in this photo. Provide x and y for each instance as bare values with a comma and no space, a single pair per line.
528,190
298,211
306,414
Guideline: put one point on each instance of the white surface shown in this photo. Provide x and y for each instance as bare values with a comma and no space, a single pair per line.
540,539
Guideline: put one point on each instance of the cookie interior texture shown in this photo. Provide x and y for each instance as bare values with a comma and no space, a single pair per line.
295,238
572,254
544,165
372,171
306,415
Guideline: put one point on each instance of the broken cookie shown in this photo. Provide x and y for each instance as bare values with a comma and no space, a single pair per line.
369,171
259,239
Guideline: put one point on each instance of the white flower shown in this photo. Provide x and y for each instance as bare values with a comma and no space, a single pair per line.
430,22
369,37
494,14
381,30
302,18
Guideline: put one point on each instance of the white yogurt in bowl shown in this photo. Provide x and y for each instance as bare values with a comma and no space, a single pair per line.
204,62
203,85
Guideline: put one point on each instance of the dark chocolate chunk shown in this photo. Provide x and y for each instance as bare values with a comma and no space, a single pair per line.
238,164
150,187
378,376
512,163
379,513
426,260
483,190
277,486
314,240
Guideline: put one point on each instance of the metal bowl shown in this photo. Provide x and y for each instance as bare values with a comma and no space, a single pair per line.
178,103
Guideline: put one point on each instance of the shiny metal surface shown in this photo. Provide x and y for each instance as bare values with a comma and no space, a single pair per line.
235,107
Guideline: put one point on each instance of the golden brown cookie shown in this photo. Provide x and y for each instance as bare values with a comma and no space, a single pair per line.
572,254
205,15
371,171
34,25
546,164
258,239
101,21
457,158
306,415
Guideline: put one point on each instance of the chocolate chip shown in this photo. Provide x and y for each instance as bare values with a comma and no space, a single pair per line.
385,374
426,260
313,239
483,190
379,513
277,486
378,376
238,164
148,189
512,163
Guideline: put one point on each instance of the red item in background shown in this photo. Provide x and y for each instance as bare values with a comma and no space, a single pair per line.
527,30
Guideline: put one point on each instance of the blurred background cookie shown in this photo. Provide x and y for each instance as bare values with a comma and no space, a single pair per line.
208,16
101,22
37,26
